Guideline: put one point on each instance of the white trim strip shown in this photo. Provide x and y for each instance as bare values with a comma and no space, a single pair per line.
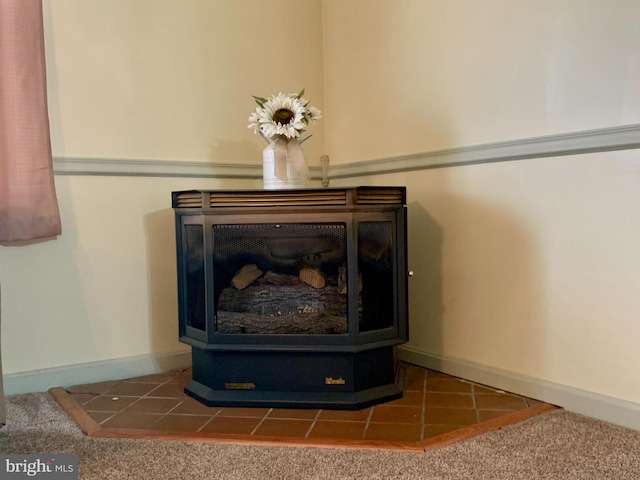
159,168
152,168
580,401
587,141
584,402
80,374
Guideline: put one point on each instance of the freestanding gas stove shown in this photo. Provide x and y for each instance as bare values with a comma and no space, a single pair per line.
292,298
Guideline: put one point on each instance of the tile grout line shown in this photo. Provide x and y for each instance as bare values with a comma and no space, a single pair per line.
181,400
366,425
113,397
164,415
113,413
139,397
160,384
477,392
160,416
261,421
475,405
108,418
423,420
211,417
106,394
313,423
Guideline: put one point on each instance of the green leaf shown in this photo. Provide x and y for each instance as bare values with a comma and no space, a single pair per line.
259,100
300,94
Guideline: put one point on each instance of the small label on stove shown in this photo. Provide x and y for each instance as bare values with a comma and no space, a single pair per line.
240,386
334,381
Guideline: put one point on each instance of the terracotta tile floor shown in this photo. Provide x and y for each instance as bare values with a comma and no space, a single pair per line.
433,404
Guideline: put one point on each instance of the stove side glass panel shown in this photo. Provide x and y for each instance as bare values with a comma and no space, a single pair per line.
376,275
195,297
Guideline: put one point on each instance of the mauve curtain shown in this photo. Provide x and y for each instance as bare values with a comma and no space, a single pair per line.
28,204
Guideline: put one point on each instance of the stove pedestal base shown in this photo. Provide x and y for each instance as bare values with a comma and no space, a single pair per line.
283,379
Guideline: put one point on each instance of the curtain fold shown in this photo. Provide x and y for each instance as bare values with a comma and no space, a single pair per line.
28,203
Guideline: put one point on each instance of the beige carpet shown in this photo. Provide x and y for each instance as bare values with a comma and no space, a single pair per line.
554,445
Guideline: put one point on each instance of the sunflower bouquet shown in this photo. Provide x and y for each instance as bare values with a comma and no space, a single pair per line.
281,119
284,114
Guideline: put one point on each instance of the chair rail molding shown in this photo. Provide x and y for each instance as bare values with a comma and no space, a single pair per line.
152,168
586,141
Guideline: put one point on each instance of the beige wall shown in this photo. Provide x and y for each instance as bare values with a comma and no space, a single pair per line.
167,79
531,266
103,290
422,75
143,79
527,266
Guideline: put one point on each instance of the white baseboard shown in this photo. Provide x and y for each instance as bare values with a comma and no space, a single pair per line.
584,402
116,369
602,407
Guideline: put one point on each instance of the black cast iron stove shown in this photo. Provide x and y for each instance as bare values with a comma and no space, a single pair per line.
292,298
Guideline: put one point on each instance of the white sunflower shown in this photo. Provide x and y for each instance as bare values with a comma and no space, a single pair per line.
313,115
254,123
284,115
281,114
